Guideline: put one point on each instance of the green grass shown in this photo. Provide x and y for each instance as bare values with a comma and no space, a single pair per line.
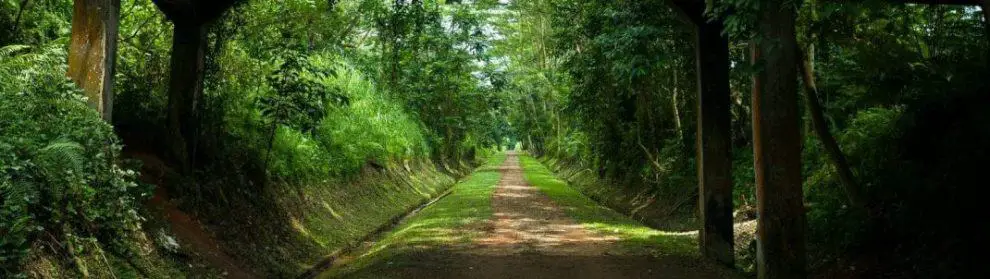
439,224
634,236
296,226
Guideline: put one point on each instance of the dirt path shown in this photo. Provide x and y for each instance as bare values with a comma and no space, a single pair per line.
189,231
531,236
526,221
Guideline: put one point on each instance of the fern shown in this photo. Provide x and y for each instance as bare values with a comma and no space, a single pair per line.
61,162
18,192
19,70
62,154
10,50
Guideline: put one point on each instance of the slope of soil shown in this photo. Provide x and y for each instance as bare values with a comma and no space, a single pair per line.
295,227
192,234
280,231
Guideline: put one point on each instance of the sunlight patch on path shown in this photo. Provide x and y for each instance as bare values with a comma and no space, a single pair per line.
633,238
528,221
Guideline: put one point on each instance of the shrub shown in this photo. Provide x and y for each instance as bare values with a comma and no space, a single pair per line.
60,179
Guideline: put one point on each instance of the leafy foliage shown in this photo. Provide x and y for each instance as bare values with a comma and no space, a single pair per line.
60,179
608,87
301,101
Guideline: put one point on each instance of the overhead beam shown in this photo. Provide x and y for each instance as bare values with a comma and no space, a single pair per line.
689,11
193,11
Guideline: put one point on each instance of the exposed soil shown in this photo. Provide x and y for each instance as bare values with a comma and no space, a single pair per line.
189,232
532,237
527,221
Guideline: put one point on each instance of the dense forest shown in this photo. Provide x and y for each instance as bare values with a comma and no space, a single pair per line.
251,139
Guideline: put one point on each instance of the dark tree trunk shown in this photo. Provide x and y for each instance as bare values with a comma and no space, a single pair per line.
777,145
714,143
185,87
93,49
985,6
17,18
853,192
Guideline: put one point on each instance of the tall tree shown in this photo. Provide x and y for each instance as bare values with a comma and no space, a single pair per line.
853,192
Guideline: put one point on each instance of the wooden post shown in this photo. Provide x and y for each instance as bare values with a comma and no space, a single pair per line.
777,145
191,19
713,142
185,87
713,146
92,51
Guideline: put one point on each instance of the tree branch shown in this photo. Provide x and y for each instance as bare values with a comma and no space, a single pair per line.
853,192
17,19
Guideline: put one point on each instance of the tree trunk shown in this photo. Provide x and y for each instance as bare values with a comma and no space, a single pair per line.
310,34
853,192
17,19
985,6
713,147
93,49
777,145
675,103
185,87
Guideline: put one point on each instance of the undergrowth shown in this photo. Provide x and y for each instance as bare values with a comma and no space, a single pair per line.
663,207
69,204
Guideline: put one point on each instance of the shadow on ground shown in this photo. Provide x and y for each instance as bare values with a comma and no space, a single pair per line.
438,263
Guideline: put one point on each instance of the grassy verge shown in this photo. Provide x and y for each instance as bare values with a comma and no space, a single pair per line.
669,209
440,224
634,236
293,227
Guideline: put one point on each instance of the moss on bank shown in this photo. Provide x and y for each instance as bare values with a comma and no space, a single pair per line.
290,230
